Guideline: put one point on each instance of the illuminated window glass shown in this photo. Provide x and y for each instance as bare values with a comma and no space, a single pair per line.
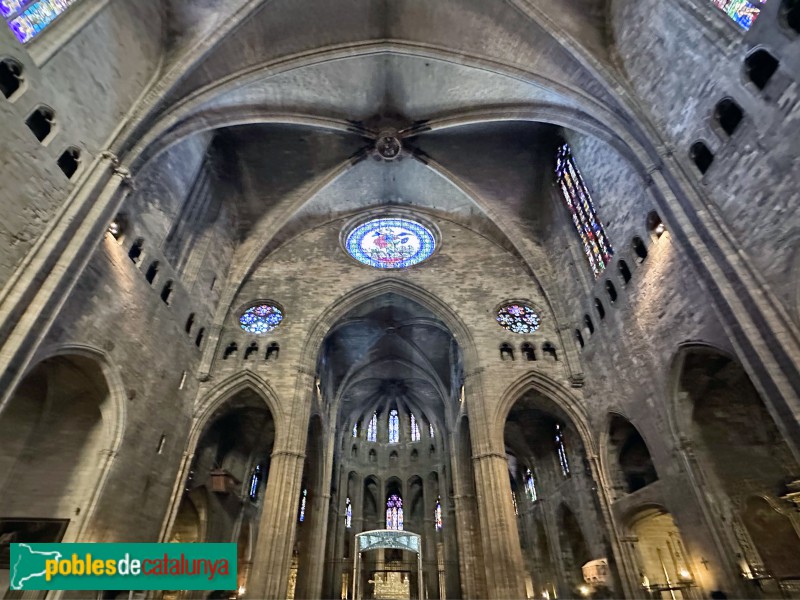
596,245
530,486
430,429
562,451
303,499
28,18
415,434
394,427
514,500
255,479
355,430
742,12
372,428
260,319
348,514
518,318
390,243
437,514
394,513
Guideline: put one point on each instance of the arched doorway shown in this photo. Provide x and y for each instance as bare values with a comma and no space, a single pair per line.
746,464
58,433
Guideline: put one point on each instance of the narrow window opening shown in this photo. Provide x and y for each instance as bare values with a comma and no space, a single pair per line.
373,456
189,324
251,349
601,310
701,156
161,443
624,272
10,77
654,225
579,338
41,122
182,384
791,14
611,291
213,282
639,249
230,351
354,451
528,351
729,115
549,350
273,350
69,161
760,66
135,253
152,271
506,352
198,341
587,322
166,293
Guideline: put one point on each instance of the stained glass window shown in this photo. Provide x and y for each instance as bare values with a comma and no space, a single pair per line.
348,514
372,428
562,451
28,18
437,514
255,479
430,429
514,500
415,435
303,499
741,11
394,427
261,319
355,430
530,485
596,245
519,318
394,513
390,243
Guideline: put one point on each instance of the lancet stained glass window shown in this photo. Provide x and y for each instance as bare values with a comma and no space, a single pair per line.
394,427
394,513
562,451
303,499
415,434
437,514
254,481
28,18
261,319
348,513
390,243
430,429
743,12
372,428
355,430
530,485
596,245
514,500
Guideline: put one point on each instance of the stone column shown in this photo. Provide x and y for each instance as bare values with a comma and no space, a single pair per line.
277,527
501,549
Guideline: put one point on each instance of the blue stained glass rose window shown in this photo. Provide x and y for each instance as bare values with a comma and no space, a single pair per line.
519,318
261,319
390,243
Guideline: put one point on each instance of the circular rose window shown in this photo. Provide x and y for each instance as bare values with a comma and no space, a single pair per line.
390,243
261,319
519,318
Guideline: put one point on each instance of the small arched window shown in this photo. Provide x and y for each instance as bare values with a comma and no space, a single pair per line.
437,515
528,351
152,271
600,308
41,122
506,352
415,433
273,350
728,115
348,513
579,338
394,427
230,350
251,349
760,66
198,341
639,249
372,428
587,322
549,350
701,156
70,161
624,272
655,225
10,77
135,253
611,291
166,292
189,324
790,10
530,486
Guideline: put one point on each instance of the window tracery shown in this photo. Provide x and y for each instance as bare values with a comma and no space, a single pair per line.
415,433
28,19
372,428
394,427
394,513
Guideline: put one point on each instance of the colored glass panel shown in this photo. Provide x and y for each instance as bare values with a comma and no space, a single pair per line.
355,430
742,12
415,433
437,514
372,429
348,514
394,513
596,245
519,318
303,499
562,451
390,243
514,500
394,427
28,19
254,481
261,319
430,429
530,485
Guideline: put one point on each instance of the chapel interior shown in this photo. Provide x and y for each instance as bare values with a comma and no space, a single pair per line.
441,299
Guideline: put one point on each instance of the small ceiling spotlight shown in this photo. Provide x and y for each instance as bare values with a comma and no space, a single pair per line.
585,591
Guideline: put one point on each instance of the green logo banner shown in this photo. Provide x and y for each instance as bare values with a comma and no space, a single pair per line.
123,567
